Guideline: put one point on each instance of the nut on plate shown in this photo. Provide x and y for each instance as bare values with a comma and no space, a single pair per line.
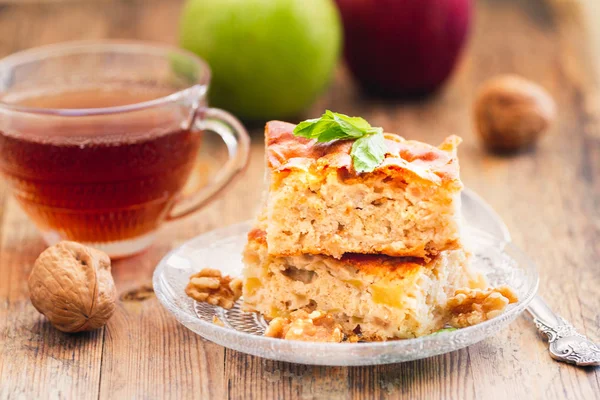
72,286
211,287
474,306
511,113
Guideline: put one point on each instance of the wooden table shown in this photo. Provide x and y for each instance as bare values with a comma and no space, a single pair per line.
549,198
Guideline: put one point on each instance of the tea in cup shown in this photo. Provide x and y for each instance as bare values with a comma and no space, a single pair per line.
97,140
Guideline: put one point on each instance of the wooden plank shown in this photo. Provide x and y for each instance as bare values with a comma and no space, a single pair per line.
36,360
500,178
542,196
146,352
167,361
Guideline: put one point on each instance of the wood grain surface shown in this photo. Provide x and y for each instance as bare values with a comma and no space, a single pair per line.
550,199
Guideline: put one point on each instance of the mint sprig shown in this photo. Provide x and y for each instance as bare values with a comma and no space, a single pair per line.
368,150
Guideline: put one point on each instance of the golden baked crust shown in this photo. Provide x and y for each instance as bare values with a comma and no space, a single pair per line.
371,264
436,164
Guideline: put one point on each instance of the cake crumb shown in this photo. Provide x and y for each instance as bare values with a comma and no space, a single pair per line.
317,326
353,339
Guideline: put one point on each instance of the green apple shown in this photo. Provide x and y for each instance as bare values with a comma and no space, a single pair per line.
269,58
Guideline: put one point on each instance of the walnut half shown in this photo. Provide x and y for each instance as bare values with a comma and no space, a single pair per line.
473,306
314,327
210,286
72,286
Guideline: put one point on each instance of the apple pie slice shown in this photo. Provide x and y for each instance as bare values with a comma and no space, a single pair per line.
318,204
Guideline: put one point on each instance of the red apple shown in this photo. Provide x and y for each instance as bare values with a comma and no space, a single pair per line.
403,47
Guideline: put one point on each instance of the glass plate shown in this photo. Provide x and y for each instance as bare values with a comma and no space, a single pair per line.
487,238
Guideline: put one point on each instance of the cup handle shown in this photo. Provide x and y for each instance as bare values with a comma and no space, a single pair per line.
237,141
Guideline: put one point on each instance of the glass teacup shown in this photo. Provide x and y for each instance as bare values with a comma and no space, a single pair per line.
97,140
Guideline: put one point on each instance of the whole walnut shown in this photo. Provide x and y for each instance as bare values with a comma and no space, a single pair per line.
72,286
511,113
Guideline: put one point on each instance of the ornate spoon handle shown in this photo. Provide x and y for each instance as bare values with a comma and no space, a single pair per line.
565,343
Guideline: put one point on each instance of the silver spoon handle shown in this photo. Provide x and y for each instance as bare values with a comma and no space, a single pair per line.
542,313
565,343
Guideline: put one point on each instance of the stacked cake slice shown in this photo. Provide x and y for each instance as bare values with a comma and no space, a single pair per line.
379,252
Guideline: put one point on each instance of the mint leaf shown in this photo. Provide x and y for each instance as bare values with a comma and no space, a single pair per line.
355,127
368,152
333,126
310,129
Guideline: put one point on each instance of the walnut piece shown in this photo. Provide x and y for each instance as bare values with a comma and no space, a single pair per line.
473,306
314,327
72,286
511,113
210,286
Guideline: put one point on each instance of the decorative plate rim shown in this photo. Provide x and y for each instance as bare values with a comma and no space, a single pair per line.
189,319
516,310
